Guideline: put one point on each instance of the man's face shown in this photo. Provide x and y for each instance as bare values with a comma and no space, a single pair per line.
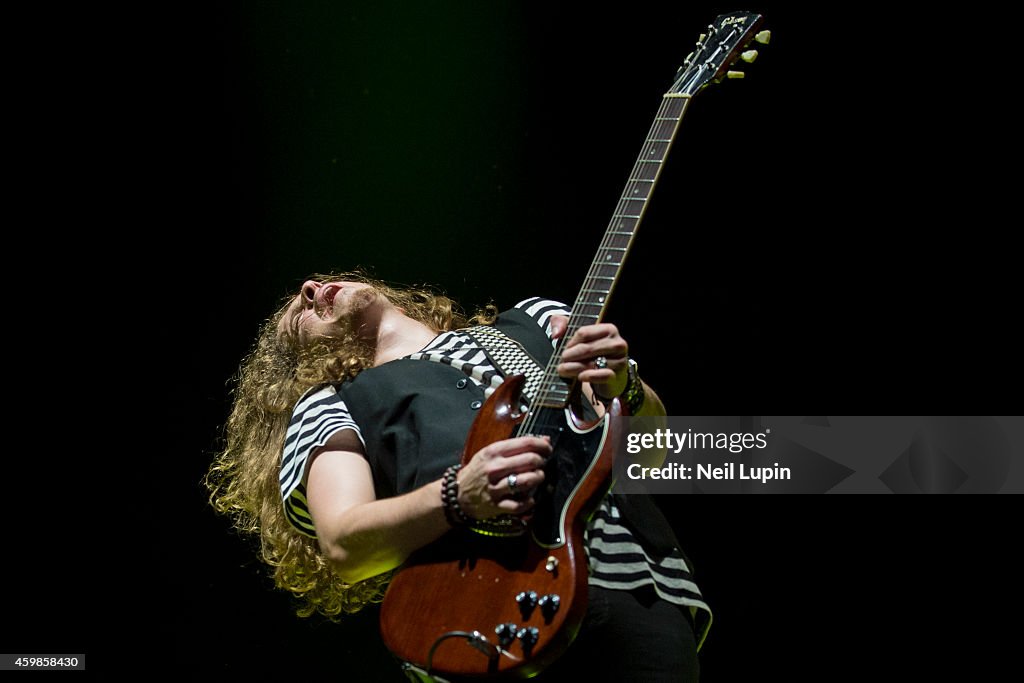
329,309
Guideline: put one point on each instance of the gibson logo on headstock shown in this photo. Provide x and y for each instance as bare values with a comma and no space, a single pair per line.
734,20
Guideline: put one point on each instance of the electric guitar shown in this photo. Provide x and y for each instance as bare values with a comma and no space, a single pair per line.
507,603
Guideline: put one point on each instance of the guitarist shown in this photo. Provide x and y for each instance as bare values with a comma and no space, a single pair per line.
356,399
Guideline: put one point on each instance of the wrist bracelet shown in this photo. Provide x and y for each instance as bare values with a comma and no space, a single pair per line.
450,497
503,525
633,395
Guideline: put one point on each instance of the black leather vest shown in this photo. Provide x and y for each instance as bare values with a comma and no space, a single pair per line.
414,417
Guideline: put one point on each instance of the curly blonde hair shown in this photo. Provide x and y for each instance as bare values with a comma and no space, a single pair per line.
243,478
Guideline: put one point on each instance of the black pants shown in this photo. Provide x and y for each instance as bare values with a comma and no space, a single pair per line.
629,636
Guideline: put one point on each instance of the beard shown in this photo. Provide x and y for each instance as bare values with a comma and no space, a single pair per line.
362,298
361,312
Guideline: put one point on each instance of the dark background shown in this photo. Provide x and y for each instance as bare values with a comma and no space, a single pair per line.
827,236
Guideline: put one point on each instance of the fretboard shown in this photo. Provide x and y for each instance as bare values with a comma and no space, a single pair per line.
594,295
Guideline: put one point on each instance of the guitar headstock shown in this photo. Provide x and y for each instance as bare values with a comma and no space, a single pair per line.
724,42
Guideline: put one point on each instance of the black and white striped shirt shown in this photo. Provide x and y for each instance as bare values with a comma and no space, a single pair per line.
617,561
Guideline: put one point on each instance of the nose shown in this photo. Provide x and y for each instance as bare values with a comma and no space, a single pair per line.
309,289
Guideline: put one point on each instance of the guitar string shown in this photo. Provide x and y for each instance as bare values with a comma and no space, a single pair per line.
551,382
601,259
605,248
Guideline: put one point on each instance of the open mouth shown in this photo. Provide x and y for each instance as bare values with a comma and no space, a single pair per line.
327,294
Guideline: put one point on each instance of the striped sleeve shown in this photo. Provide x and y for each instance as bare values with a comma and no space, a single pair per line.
541,311
318,415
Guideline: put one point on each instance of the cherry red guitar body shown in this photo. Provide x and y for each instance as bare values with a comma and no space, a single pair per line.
452,608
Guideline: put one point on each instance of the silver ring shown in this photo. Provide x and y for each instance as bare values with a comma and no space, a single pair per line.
601,362
512,482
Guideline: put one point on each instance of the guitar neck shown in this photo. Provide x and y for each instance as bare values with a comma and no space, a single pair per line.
717,49
595,294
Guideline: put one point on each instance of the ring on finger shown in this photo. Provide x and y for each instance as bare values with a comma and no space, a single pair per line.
601,362
512,479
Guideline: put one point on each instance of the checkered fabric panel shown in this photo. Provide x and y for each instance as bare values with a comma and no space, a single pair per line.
509,357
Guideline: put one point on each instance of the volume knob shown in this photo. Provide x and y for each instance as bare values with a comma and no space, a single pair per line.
506,633
528,636
528,598
549,605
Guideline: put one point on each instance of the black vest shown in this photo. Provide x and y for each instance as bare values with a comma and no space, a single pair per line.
414,417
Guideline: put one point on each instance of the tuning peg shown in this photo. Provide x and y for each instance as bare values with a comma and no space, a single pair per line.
763,37
734,74
749,56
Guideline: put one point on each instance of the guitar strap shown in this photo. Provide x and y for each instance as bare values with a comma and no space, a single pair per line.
509,357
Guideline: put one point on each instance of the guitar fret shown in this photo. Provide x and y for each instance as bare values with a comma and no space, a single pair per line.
604,270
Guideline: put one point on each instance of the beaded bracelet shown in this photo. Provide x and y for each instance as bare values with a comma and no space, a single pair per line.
450,497
504,525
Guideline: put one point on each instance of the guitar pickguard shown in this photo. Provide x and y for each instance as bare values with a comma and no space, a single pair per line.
572,460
